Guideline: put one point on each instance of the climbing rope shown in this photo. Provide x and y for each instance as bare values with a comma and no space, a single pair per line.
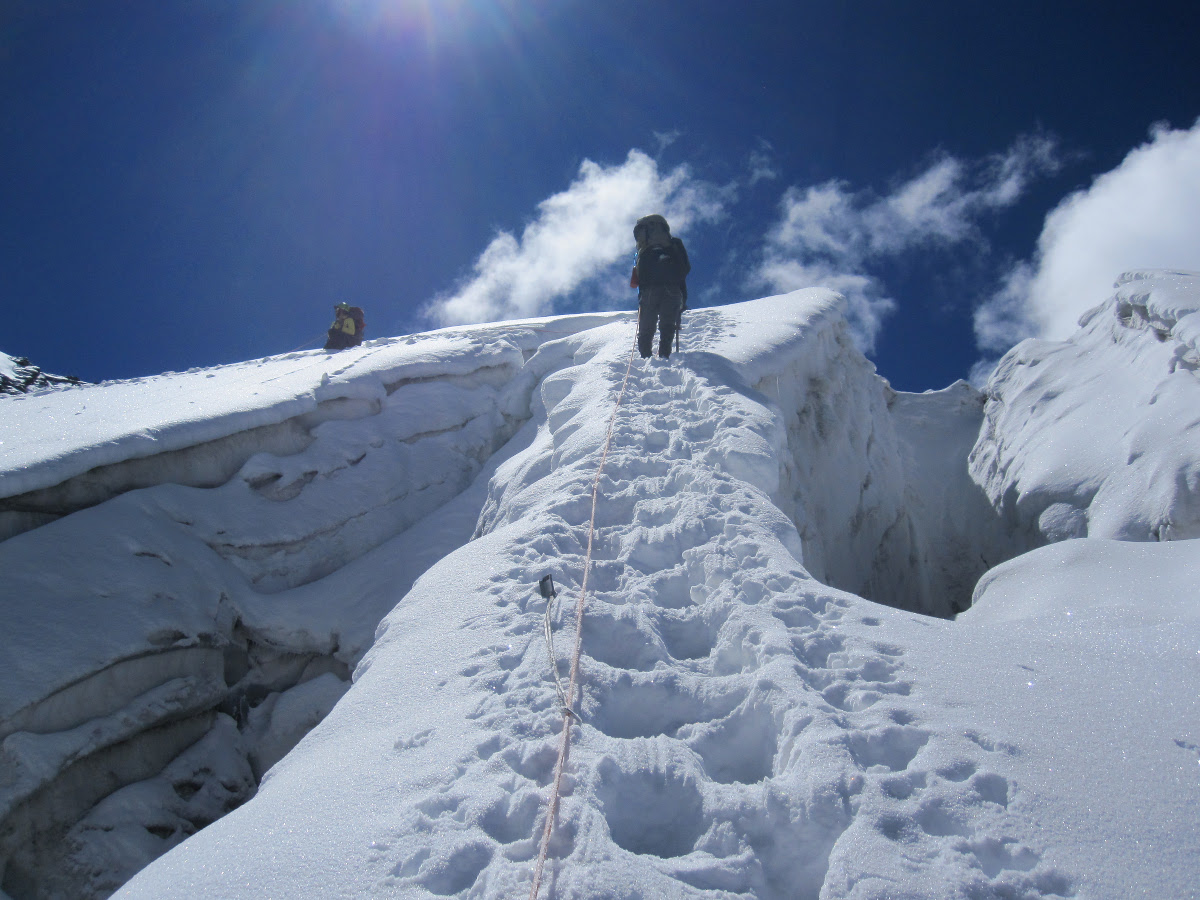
568,703
311,340
548,631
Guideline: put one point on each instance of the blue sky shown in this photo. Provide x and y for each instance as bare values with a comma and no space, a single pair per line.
187,184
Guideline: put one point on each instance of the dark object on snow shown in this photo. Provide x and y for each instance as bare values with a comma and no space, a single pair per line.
546,588
660,275
347,328
28,378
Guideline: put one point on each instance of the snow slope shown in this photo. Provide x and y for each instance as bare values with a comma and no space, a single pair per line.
752,726
178,610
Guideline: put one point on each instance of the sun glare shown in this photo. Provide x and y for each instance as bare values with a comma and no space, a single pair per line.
438,22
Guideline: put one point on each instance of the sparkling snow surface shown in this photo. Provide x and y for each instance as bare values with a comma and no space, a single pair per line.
748,730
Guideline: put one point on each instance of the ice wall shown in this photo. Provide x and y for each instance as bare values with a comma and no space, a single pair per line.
877,482
1099,435
66,450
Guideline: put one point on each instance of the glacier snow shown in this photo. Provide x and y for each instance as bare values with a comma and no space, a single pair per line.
274,628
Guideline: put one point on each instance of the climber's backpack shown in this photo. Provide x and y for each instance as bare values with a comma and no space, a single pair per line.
651,230
659,264
360,323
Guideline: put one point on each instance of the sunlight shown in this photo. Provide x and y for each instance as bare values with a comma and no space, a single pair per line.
437,22
391,15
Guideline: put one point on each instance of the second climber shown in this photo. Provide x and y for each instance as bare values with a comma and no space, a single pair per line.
347,328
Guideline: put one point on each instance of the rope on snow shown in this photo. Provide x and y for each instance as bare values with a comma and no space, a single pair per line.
546,585
568,702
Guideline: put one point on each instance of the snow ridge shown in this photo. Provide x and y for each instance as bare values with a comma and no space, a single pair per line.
747,731
213,566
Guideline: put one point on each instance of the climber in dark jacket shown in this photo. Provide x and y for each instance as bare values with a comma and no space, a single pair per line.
660,276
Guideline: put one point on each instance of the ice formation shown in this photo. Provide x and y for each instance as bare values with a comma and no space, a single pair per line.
1099,435
200,561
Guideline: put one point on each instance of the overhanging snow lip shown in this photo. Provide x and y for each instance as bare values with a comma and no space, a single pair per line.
456,350
809,311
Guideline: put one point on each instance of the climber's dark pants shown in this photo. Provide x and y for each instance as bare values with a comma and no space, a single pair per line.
339,340
659,308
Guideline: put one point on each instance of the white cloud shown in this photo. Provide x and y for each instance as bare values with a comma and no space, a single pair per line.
866,305
830,235
1143,214
665,139
1001,322
576,236
761,163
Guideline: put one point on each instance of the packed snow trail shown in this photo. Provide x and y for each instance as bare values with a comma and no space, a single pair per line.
567,700
747,731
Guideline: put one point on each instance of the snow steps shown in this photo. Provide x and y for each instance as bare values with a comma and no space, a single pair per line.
695,767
